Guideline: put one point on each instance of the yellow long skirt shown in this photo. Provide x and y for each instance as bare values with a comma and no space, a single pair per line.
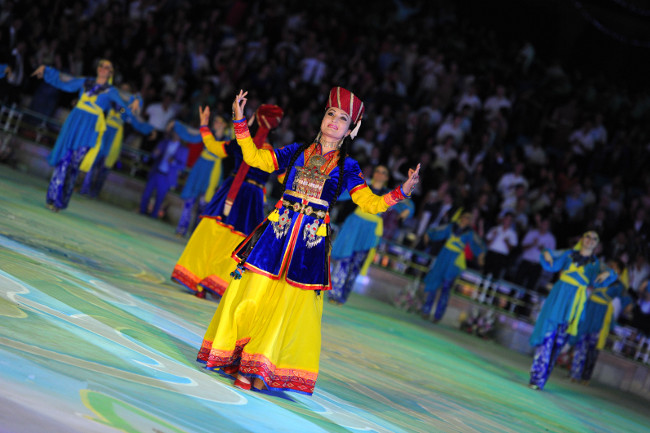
268,329
206,261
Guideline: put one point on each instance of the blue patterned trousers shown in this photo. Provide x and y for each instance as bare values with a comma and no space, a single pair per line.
95,178
343,275
63,178
186,216
441,307
546,354
585,356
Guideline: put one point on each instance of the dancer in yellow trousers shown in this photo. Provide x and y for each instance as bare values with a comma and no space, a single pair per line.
235,210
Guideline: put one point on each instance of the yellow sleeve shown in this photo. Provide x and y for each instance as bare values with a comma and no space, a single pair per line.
370,202
264,159
214,146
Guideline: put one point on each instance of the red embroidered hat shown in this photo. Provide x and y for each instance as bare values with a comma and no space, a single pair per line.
346,101
268,117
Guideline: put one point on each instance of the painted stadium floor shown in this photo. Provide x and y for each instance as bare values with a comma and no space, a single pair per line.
95,338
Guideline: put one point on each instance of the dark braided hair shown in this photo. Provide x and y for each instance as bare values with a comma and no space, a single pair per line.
343,153
295,156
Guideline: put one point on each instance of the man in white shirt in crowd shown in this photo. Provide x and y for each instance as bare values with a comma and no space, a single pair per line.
451,127
534,242
160,113
509,182
582,140
501,240
638,271
471,99
496,102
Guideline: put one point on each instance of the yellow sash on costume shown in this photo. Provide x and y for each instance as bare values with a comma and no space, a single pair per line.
215,174
454,243
379,228
607,320
114,120
87,103
578,305
379,231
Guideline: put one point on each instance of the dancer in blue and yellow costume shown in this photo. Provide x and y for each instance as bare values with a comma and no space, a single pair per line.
205,176
355,245
232,214
562,311
268,324
598,319
100,160
450,261
5,70
84,127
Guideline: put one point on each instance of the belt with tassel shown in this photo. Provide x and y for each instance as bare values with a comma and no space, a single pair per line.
304,207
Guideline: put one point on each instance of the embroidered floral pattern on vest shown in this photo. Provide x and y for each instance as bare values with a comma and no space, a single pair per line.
309,234
281,228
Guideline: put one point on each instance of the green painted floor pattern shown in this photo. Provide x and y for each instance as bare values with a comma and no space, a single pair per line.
94,337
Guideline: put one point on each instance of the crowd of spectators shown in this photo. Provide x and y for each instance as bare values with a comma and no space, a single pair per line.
535,149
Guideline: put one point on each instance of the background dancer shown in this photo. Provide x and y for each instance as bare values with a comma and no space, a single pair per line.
235,210
83,128
205,176
169,160
598,319
100,160
562,310
450,261
356,242
5,70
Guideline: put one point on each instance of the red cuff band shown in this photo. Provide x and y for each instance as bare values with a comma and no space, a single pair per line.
394,197
241,129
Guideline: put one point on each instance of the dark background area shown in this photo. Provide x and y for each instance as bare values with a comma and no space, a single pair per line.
568,30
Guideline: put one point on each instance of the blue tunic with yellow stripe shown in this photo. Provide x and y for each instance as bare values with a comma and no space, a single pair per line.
599,312
86,123
565,303
451,259
205,175
248,207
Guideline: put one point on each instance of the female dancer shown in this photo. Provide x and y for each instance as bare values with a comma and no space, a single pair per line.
4,70
83,128
100,159
594,328
358,237
205,176
235,210
562,310
450,261
268,324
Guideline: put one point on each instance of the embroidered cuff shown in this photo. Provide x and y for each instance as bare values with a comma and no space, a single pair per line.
205,131
241,128
395,196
